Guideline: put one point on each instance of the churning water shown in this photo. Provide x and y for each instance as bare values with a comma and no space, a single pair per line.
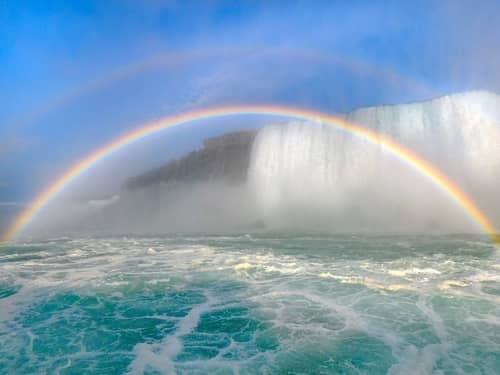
275,304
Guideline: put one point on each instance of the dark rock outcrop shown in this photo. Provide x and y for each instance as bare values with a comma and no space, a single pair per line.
223,158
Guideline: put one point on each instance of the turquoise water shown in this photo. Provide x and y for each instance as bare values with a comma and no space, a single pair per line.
270,304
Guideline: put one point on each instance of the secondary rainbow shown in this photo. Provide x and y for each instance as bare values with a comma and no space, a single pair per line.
127,71
147,129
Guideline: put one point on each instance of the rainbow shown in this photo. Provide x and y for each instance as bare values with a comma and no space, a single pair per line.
171,60
147,129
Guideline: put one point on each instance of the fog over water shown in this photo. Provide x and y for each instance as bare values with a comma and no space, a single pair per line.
311,177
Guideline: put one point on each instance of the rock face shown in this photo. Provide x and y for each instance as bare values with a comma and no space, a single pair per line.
225,158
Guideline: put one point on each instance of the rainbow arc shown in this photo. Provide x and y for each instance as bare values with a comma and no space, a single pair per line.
405,155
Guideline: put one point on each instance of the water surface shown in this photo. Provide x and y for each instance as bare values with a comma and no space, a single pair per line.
245,304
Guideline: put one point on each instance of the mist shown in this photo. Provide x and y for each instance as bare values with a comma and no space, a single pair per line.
306,176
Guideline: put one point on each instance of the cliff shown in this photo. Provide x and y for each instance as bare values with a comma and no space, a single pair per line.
225,158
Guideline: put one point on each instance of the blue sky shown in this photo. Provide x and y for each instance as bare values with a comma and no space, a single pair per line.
71,73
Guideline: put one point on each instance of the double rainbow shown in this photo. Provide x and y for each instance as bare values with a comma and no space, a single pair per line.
124,72
403,154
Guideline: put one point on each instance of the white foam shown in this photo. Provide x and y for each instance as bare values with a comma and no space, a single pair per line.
161,356
445,285
242,266
368,282
76,253
417,361
414,271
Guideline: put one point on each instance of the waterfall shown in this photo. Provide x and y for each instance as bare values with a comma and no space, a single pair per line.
308,174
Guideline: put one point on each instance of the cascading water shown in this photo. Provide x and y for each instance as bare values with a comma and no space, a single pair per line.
309,174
